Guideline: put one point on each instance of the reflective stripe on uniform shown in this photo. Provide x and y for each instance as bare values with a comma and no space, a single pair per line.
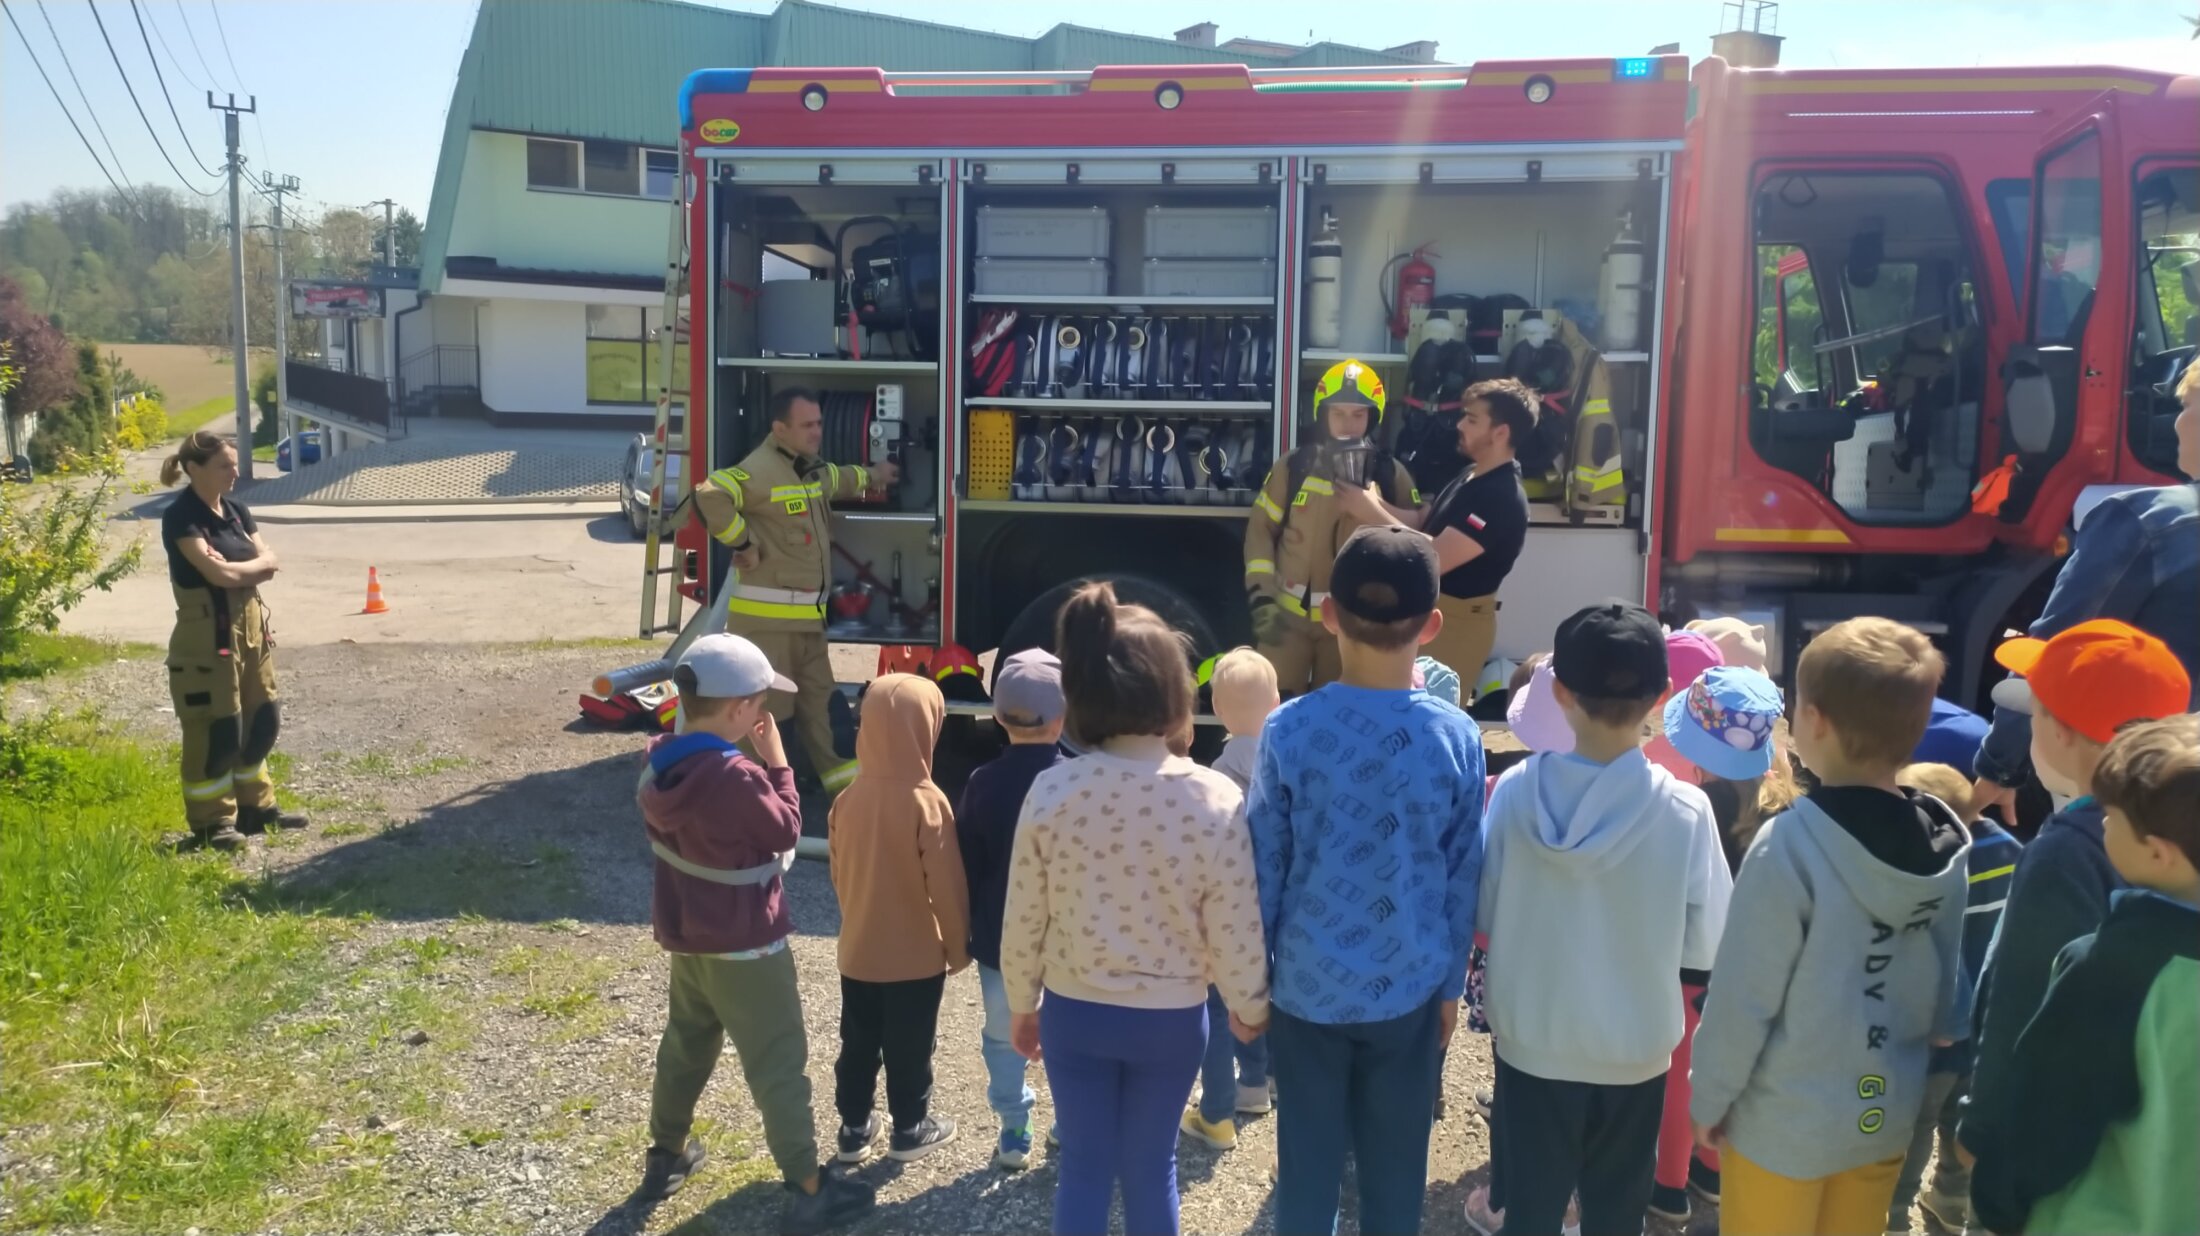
256,773
1315,484
838,776
207,791
1266,504
1260,566
761,602
728,482
735,532
783,596
781,493
1597,480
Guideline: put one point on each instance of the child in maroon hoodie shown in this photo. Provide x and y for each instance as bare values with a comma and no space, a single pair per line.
724,830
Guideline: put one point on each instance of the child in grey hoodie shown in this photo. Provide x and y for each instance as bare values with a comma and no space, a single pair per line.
1841,966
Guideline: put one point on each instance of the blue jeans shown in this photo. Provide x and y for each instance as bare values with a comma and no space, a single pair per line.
1229,1064
1120,1077
1366,1089
1006,1091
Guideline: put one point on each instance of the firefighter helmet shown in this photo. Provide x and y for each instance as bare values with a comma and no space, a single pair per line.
1349,381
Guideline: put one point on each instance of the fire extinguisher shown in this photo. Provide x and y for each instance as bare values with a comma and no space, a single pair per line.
1415,287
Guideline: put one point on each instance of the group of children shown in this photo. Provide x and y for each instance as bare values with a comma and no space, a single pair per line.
1698,978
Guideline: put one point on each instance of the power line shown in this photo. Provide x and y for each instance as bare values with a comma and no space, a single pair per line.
257,130
173,58
88,148
164,95
84,98
191,34
150,131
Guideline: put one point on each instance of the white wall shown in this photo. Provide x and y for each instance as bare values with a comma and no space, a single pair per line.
450,322
534,355
498,216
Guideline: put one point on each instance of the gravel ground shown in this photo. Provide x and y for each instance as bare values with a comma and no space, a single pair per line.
482,849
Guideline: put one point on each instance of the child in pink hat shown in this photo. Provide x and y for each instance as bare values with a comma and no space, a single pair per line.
1687,655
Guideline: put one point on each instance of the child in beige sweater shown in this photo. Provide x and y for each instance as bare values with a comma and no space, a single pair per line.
1131,884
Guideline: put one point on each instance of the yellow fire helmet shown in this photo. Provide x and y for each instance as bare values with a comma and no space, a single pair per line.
1350,381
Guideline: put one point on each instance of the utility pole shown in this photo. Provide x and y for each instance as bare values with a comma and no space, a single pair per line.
389,230
276,187
230,111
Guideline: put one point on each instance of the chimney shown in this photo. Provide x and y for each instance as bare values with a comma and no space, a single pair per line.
1749,45
1665,49
1422,51
1201,35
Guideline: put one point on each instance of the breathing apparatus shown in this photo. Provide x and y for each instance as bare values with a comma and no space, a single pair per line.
1348,461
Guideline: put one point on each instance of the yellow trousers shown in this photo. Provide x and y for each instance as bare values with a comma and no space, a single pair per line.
1304,653
801,656
1756,1202
1464,643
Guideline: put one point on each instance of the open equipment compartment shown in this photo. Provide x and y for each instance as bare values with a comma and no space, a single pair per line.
836,286
1480,242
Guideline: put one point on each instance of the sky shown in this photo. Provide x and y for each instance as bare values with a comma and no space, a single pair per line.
352,93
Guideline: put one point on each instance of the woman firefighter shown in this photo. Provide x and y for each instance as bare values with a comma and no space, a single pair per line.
221,659
1296,527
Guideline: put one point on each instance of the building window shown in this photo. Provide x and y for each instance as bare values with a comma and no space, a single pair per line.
625,349
614,169
553,164
662,169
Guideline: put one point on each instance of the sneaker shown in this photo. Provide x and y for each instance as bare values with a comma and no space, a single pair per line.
1950,1210
1255,1101
930,1133
1669,1203
663,1172
1479,1215
1218,1135
1703,1182
838,1202
223,836
855,1140
1014,1153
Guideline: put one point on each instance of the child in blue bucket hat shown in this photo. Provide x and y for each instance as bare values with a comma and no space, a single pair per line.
1723,723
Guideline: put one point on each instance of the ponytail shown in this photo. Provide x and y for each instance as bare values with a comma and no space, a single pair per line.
198,448
1124,670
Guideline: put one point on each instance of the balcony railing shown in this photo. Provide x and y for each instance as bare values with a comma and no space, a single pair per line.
365,400
444,369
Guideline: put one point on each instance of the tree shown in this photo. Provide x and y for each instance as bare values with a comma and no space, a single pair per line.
79,428
46,376
349,242
408,238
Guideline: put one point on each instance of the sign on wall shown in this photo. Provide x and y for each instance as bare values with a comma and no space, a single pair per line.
335,300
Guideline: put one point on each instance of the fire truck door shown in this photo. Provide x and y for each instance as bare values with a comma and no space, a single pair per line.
2064,382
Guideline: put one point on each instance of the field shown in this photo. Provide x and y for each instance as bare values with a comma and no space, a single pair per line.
196,384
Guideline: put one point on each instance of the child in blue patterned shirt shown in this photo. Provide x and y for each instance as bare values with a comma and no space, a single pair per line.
1366,812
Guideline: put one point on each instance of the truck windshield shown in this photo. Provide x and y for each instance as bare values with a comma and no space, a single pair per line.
2168,325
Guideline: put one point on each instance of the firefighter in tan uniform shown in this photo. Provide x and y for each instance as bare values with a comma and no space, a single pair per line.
772,509
221,657
1297,528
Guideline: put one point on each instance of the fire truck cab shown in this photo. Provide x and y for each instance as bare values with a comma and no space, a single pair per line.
1789,321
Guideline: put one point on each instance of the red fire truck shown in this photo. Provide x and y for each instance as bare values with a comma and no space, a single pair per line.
1790,320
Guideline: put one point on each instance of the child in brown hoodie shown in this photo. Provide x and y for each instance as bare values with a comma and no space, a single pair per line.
904,920
723,828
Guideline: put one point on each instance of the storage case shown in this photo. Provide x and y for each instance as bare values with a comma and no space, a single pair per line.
1209,277
1042,232
1042,276
1210,232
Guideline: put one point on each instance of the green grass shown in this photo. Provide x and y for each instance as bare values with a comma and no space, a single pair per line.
43,654
195,417
264,454
393,764
129,978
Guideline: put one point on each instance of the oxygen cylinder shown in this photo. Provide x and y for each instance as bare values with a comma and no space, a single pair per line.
1416,287
1619,294
1325,286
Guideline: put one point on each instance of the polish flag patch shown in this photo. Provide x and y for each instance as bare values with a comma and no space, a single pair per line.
1477,523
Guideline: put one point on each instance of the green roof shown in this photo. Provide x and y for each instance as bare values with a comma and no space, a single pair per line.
612,69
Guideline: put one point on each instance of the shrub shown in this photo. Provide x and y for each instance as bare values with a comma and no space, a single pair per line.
140,421
53,551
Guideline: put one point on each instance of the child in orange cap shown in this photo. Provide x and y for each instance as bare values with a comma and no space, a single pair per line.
2080,688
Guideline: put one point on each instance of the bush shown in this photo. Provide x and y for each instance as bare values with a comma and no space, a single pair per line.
264,430
53,551
140,422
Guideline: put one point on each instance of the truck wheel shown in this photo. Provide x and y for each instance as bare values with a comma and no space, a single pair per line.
1034,627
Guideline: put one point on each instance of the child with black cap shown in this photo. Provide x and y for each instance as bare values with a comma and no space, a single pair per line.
1602,878
1365,811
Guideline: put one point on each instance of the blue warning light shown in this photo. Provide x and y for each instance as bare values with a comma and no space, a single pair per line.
1634,67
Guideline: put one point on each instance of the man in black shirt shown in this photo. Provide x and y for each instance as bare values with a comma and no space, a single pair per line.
1478,522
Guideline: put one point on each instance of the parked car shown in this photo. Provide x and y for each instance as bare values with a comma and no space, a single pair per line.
308,450
634,487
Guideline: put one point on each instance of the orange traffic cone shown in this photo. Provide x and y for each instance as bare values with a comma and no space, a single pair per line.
375,603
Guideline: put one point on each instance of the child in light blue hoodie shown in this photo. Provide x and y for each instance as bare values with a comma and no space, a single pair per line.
1602,878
